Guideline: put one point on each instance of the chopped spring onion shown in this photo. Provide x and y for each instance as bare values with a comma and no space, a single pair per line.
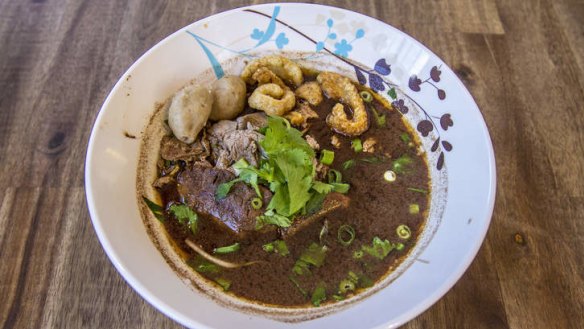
367,97
319,294
277,246
379,119
414,209
399,246
224,283
401,164
353,277
346,285
256,203
419,190
157,210
327,157
358,254
216,260
334,176
202,265
297,284
348,164
405,138
227,249
338,298
357,145
346,235
404,232
389,176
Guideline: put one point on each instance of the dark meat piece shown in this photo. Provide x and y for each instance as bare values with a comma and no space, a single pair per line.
198,184
172,149
332,202
253,121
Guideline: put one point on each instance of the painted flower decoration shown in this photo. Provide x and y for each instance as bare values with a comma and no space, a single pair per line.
343,48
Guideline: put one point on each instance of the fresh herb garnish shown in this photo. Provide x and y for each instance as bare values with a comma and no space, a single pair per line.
271,218
357,145
227,249
223,189
348,164
224,283
346,235
405,137
402,164
419,190
287,169
327,157
202,265
157,210
185,215
373,159
403,231
318,295
313,256
297,284
379,248
278,246
379,118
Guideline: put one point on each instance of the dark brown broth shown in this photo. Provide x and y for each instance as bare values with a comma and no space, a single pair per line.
377,208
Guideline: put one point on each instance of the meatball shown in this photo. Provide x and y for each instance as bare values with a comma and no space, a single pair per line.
229,98
188,113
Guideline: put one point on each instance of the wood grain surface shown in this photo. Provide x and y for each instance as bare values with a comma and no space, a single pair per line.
523,61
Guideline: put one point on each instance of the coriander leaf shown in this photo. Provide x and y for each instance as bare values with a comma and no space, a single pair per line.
248,174
280,136
321,187
340,187
292,164
185,215
314,204
223,189
379,248
270,217
318,295
314,255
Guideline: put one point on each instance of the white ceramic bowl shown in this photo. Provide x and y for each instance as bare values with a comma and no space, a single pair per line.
429,94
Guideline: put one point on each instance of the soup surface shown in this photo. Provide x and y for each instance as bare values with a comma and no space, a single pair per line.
339,243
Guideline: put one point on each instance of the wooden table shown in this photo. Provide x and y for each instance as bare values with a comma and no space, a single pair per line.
523,61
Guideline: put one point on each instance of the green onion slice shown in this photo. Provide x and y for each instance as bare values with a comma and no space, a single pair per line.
346,285
404,232
256,203
348,164
357,145
227,249
346,235
327,157
414,209
367,97
334,176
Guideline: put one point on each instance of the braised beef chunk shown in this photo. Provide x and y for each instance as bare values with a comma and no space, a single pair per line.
172,149
332,202
198,184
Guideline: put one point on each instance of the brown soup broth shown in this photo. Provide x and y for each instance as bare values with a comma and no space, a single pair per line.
377,207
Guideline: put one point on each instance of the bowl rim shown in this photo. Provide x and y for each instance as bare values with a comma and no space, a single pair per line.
162,306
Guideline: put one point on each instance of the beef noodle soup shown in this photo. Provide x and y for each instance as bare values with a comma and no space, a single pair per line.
288,187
